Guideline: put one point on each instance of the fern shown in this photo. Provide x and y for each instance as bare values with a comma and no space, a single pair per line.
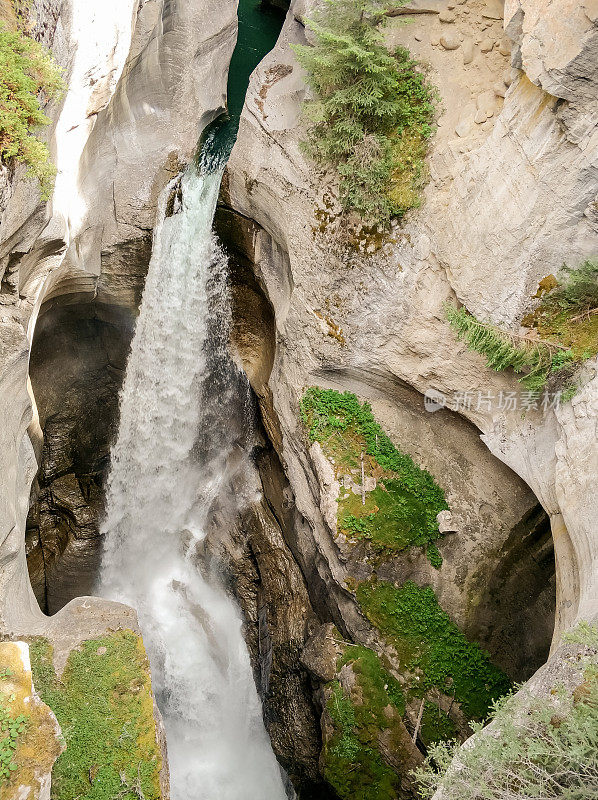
534,361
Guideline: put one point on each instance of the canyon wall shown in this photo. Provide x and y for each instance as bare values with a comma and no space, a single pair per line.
512,193
143,80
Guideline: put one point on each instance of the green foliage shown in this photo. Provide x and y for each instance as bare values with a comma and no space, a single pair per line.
11,727
373,109
104,705
27,74
353,764
577,288
430,644
401,511
541,750
568,311
535,361
436,725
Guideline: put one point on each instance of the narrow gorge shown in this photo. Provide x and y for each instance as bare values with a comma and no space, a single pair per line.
298,400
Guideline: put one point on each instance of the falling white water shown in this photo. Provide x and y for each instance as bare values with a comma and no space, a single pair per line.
167,466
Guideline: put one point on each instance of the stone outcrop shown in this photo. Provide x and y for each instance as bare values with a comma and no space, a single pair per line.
39,743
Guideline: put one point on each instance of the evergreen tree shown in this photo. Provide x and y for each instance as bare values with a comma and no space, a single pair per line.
365,99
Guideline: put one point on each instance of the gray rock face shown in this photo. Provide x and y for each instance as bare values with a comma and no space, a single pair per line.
487,232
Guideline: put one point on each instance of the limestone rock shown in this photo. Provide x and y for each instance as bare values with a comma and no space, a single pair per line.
468,51
494,9
447,16
557,45
450,41
486,45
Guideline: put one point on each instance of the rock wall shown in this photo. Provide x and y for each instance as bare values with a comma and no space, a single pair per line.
511,195
488,231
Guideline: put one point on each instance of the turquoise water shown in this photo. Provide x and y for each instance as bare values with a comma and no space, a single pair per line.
259,28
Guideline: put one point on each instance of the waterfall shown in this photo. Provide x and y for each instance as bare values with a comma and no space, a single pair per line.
167,466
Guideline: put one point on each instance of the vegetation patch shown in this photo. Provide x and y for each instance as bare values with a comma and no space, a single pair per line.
540,748
28,737
564,326
401,510
12,725
534,360
371,118
568,310
29,77
353,763
430,647
104,705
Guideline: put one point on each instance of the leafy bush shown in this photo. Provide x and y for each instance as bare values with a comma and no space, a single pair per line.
534,360
373,109
28,76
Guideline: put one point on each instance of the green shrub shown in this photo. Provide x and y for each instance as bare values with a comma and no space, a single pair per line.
28,77
534,360
538,751
373,109
431,647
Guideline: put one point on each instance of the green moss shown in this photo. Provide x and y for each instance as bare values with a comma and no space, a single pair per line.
104,705
436,725
353,763
431,647
401,511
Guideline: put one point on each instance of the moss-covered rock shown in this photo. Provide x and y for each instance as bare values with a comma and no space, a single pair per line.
103,701
402,501
367,753
30,739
